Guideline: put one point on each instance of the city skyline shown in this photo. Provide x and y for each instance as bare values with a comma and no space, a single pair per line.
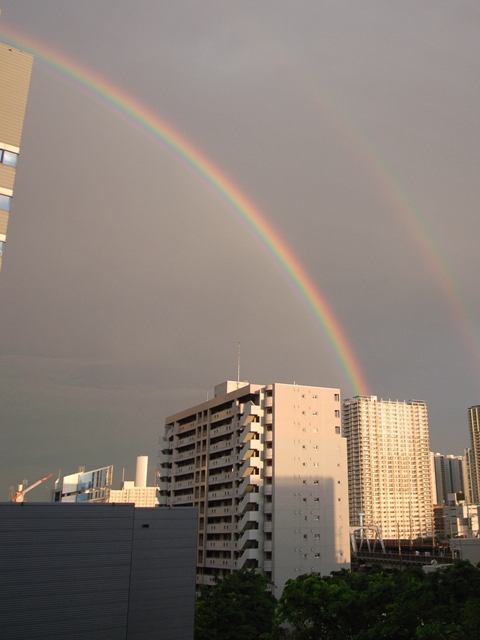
127,284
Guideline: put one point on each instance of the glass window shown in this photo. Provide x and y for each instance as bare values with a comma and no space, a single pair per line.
1,154
10,158
2,248
5,202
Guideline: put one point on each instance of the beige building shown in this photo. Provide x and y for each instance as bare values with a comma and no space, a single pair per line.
474,458
136,492
15,70
388,466
266,466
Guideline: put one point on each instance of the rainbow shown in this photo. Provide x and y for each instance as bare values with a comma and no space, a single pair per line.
153,125
399,204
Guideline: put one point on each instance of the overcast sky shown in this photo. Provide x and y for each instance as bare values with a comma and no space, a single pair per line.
126,284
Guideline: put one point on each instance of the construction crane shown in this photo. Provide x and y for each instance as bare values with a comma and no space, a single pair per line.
20,494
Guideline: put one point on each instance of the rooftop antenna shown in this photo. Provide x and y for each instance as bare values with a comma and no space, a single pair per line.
238,366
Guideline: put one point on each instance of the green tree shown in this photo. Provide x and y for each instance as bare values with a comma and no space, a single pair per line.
239,607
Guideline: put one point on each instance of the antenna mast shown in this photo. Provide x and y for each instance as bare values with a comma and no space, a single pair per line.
238,366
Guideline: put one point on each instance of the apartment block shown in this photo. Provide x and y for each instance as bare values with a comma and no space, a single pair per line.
15,71
474,460
266,466
448,474
388,466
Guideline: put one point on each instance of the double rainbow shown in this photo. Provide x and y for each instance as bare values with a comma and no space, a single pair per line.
153,125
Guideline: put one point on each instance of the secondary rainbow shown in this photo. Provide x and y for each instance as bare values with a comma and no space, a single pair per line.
152,124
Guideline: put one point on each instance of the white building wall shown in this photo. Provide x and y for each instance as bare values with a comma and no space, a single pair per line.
310,486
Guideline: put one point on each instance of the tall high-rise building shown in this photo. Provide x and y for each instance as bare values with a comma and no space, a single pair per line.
474,467
266,466
388,466
15,71
467,475
448,476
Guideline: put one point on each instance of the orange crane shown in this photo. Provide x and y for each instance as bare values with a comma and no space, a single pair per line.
20,494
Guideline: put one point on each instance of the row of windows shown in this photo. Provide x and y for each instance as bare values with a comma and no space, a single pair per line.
8,157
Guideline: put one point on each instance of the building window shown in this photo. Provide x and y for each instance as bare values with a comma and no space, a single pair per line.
337,429
5,202
9,158
336,397
337,413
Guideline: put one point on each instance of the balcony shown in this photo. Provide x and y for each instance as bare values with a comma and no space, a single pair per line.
227,510
220,563
248,555
185,499
220,431
221,527
221,446
248,483
220,478
248,467
248,536
221,415
219,545
247,518
221,462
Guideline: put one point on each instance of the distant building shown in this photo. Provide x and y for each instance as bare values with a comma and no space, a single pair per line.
448,476
15,71
84,486
96,486
388,466
461,520
468,476
474,424
266,466
137,492
109,571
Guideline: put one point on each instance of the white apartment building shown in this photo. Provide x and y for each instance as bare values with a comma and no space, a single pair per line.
266,466
388,466
460,519
136,492
474,458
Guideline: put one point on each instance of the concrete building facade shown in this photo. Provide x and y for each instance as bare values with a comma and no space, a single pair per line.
474,467
75,571
460,519
266,467
15,72
388,466
96,486
448,476
136,491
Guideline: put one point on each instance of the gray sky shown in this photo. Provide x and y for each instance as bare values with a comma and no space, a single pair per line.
127,284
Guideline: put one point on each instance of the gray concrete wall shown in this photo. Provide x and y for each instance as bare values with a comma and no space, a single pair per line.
83,571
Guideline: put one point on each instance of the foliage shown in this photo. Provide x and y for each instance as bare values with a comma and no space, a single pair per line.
442,605
239,607
381,605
